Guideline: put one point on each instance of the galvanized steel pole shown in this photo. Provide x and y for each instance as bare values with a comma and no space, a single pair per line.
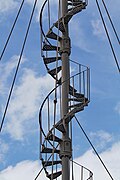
65,52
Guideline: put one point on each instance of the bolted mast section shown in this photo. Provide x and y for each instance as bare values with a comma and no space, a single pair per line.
65,146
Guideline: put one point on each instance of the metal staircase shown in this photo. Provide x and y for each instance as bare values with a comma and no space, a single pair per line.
52,124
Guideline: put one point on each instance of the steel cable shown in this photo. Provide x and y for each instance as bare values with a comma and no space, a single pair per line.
39,173
17,68
11,31
111,21
116,61
94,148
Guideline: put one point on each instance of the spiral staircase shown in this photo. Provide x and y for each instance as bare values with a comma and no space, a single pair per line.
52,124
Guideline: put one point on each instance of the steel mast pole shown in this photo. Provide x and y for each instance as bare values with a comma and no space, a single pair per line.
65,148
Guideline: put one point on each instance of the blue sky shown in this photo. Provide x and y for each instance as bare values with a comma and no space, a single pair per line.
19,140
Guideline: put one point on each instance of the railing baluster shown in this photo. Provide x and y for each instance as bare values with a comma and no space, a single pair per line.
41,142
48,115
80,78
89,84
81,172
84,83
73,88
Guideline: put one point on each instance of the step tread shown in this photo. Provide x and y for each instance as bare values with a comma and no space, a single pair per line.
48,47
72,89
82,99
49,150
61,128
54,175
52,137
76,105
52,35
48,60
60,24
50,163
53,71
76,94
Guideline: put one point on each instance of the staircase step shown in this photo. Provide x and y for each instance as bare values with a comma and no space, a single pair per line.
77,9
52,35
49,150
80,1
61,128
77,95
59,24
73,3
52,137
54,175
72,89
67,17
53,71
75,105
47,47
49,60
59,81
50,163
79,109
82,99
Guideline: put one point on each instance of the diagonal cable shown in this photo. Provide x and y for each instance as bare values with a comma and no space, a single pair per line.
11,31
117,37
94,148
116,61
39,173
17,68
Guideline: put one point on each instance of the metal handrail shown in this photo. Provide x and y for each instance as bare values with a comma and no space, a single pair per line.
40,111
83,168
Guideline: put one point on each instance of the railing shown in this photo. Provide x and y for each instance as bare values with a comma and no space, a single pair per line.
50,111
80,172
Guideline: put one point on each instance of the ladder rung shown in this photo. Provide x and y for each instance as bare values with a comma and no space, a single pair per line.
54,175
49,60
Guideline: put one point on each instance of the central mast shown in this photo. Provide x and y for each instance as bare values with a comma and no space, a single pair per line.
65,52
70,95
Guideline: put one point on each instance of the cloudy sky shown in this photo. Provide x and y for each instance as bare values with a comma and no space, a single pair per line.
19,139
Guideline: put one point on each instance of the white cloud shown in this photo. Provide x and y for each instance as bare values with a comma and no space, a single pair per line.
6,71
98,29
24,106
29,169
7,5
101,138
110,158
3,151
23,170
